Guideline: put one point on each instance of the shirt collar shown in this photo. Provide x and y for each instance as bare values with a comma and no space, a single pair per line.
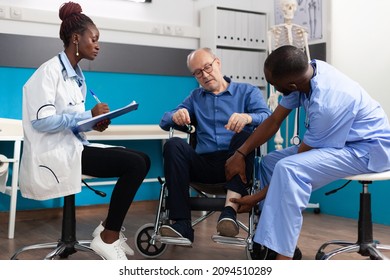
228,89
70,71
314,65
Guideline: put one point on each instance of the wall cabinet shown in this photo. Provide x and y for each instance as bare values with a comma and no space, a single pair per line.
239,39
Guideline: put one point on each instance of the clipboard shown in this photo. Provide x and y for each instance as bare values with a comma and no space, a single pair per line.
87,125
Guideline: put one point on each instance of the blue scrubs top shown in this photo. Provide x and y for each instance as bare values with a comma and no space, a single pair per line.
339,113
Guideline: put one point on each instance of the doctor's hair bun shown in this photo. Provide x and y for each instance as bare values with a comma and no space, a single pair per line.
69,9
73,21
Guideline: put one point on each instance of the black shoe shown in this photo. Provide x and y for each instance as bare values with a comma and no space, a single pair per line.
261,252
297,254
227,223
181,228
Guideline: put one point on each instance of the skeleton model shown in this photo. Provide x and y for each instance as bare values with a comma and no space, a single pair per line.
312,8
280,35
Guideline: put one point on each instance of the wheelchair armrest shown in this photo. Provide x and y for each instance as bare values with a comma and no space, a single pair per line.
184,128
189,129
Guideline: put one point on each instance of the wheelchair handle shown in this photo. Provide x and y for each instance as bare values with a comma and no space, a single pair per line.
190,129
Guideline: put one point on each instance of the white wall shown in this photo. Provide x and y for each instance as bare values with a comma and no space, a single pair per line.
359,44
167,11
121,21
355,31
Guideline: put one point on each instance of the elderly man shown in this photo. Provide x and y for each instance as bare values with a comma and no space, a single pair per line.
225,113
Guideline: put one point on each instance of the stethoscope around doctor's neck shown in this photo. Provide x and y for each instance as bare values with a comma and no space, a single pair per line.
65,75
63,70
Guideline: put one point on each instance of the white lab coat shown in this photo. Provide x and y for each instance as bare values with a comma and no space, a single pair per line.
51,162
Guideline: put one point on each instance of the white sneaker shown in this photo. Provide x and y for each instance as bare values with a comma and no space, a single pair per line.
125,246
112,251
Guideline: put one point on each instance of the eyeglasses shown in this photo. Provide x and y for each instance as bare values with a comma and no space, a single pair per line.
208,68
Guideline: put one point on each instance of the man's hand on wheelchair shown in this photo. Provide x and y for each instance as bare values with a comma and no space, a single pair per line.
246,203
181,117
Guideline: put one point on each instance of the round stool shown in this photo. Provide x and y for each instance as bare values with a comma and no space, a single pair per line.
365,245
67,244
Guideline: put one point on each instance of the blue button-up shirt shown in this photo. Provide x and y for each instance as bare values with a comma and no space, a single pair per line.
212,112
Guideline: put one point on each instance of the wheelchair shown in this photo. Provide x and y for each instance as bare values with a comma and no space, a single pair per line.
205,198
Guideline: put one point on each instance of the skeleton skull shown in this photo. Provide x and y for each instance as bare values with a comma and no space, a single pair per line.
289,7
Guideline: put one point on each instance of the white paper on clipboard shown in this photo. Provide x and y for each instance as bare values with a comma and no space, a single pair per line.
87,125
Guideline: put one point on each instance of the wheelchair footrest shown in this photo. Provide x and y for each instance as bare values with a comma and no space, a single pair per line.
237,241
181,241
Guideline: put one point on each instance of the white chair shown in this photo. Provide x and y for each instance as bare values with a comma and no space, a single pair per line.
11,130
365,244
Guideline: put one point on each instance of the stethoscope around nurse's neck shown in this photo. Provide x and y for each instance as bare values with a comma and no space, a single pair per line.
296,139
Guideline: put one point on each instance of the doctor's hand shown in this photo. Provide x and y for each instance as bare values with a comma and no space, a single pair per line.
235,165
100,108
181,117
102,125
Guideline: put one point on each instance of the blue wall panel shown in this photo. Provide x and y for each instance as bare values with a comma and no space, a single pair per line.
154,93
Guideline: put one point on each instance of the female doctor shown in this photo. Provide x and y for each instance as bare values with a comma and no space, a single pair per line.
55,155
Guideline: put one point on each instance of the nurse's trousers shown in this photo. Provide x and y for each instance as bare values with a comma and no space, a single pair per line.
291,178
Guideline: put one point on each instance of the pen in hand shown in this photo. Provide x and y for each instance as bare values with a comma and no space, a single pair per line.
100,108
94,96
103,124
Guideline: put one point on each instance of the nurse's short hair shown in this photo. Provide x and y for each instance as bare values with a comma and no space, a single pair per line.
285,61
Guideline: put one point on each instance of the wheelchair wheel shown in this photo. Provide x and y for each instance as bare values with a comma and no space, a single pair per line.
143,244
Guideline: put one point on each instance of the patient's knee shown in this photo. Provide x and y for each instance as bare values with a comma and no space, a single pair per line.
174,145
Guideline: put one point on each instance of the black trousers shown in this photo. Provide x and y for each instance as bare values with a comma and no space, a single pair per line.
129,166
183,165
